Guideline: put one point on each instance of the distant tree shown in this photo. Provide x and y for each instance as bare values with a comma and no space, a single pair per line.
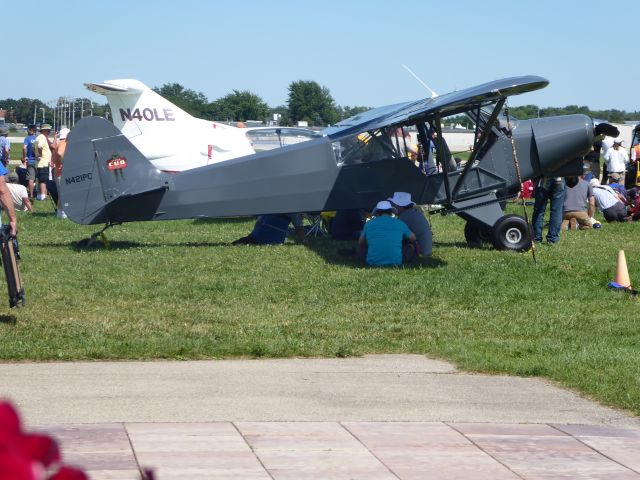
189,100
239,106
310,102
347,112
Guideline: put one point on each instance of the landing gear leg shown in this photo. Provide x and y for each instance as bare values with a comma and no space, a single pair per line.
87,242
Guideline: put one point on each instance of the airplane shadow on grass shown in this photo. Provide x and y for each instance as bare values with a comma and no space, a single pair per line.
344,253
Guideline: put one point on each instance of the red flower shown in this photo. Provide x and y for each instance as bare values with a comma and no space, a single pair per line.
25,456
9,419
40,448
14,466
69,473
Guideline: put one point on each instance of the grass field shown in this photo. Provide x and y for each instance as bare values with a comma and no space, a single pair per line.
179,290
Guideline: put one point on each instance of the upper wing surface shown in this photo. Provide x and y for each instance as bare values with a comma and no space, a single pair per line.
443,105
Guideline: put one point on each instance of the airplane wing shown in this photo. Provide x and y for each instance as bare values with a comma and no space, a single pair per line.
444,105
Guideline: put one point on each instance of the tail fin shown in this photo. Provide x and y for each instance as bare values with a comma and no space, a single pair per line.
169,137
136,108
103,168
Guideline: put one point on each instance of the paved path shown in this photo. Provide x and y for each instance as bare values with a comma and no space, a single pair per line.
391,416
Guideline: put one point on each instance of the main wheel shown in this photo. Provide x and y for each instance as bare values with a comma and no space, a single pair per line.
511,232
475,234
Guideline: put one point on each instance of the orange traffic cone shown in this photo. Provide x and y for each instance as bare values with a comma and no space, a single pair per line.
622,274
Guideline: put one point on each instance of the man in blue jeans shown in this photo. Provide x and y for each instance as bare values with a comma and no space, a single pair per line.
552,190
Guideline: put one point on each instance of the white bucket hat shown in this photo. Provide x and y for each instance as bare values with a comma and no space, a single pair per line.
402,199
383,205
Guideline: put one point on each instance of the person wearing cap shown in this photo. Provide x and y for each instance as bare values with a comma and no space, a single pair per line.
19,194
381,241
5,146
29,160
56,163
616,160
43,154
609,202
415,220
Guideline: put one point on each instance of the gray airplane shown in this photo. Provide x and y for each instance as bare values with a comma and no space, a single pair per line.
354,164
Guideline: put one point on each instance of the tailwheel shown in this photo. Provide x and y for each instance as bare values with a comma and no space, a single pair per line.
476,234
511,232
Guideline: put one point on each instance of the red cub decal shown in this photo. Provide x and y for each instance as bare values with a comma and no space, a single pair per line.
116,162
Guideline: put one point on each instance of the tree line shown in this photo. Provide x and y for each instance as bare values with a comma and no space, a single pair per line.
307,101
527,112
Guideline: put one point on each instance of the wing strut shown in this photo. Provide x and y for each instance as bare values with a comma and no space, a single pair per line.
479,142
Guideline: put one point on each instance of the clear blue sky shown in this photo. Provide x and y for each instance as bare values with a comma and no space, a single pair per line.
355,48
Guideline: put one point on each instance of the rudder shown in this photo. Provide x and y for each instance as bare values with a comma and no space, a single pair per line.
101,166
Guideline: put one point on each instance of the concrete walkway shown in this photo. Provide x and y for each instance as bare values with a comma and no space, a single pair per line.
391,416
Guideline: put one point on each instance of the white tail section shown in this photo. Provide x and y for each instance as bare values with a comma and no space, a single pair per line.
169,137
136,108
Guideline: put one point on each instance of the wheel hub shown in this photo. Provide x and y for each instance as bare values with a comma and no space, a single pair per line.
513,235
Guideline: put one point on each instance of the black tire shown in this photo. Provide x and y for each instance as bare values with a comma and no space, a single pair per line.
476,234
511,232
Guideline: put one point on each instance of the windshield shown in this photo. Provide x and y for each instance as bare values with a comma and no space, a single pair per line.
263,139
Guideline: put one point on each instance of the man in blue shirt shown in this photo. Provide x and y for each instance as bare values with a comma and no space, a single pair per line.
29,159
383,236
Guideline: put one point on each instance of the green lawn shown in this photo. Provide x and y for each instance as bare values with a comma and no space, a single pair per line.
179,290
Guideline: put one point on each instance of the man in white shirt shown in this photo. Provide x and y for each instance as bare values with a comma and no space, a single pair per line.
616,159
609,202
19,194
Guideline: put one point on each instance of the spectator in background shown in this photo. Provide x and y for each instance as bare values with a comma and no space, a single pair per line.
7,202
615,182
56,163
616,160
635,152
29,160
609,202
607,143
551,190
415,220
272,229
579,204
5,146
593,159
19,194
381,241
42,148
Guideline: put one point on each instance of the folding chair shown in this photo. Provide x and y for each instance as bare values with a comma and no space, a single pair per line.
317,225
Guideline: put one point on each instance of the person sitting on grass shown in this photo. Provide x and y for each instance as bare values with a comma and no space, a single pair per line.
385,240
415,220
19,193
272,229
